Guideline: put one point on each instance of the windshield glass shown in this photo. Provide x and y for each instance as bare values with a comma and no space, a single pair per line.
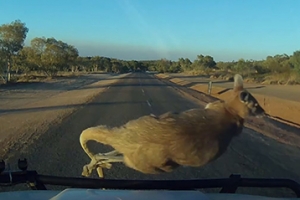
67,66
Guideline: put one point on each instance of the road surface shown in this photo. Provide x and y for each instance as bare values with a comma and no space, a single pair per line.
289,92
58,152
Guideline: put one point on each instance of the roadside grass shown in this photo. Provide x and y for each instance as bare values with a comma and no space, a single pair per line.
285,78
35,76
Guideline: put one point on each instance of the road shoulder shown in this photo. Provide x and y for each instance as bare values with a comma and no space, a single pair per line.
23,125
280,131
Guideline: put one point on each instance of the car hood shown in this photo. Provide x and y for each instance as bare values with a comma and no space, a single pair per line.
93,194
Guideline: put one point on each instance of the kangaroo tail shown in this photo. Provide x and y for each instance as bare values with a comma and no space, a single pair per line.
99,134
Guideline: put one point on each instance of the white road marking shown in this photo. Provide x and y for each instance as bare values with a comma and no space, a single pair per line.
148,103
144,92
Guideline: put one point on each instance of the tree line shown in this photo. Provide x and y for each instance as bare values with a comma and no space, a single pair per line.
50,56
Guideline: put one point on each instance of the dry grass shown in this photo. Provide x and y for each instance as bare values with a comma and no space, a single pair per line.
38,77
196,72
286,78
291,78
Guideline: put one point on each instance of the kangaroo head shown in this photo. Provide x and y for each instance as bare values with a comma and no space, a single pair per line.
244,103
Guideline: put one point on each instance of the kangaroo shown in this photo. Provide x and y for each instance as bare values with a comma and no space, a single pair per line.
157,144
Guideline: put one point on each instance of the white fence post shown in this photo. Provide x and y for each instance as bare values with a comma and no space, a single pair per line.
209,87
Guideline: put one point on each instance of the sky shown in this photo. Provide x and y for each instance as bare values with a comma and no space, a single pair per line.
153,29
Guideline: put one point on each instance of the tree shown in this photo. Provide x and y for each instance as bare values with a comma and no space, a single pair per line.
116,66
295,60
59,54
134,65
225,65
51,55
175,67
277,64
163,65
72,55
2,62
203,63
12,37
106,63
20,62
185,64
96,62
206,61
80,64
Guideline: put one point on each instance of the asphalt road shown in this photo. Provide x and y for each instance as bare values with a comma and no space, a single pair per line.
58,151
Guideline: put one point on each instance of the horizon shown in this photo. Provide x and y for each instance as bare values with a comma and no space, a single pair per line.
136,30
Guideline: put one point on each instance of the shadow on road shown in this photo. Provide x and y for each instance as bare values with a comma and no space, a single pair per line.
125,85
225,88
59,107
64,83
200,76
134,78
201,82
257,87
283,126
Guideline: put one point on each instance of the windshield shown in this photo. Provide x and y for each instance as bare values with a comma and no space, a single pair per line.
67,66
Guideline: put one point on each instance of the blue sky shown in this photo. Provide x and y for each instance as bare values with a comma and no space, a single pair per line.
153,29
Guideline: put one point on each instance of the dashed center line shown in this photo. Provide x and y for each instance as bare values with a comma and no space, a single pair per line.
148,103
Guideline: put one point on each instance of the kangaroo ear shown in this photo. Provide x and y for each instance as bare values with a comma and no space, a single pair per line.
238,83
244,96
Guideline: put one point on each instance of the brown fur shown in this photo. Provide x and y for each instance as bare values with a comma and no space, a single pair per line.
154,144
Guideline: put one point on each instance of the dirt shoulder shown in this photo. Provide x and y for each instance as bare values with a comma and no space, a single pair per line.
288,92
283,132
28,111
285,109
